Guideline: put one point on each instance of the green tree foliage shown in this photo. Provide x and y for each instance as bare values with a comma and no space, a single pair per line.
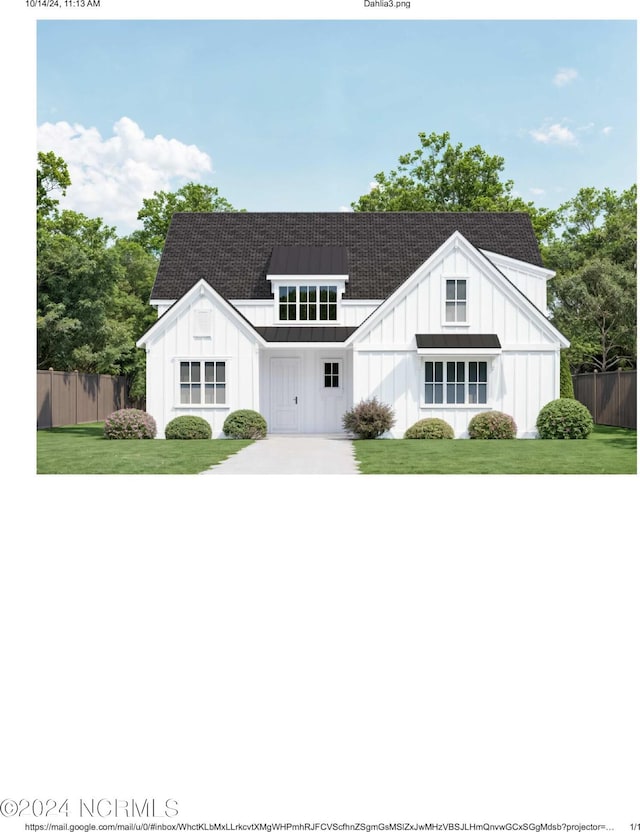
441,176
52,175
566,382
593,296
92,288
76,278
157,211
595,307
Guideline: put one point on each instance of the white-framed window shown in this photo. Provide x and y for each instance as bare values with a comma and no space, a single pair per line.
331,374
455,300
203,382
455,382
308,302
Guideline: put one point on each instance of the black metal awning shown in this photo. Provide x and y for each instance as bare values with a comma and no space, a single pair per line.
305,334
458,341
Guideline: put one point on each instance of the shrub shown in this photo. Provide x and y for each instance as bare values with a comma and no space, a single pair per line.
566,382
130,424
430,429
245,424
188,427
369,419
492,425
564,419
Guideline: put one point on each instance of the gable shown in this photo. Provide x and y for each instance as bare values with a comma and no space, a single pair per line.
201,313
233,251
495,305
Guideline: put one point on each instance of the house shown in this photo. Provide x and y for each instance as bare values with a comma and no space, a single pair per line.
302,315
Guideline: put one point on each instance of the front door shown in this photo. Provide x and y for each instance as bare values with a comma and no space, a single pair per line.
285,407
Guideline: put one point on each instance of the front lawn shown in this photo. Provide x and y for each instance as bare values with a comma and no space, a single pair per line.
82,449
606,451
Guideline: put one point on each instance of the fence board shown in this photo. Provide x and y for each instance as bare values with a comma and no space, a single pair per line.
610,397
75,398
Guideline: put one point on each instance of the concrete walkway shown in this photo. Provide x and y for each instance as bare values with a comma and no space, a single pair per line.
292,455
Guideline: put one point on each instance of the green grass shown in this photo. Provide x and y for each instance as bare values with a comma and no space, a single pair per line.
82,449
606,451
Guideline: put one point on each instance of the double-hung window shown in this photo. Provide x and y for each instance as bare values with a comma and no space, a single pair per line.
455,304
203,382
455,382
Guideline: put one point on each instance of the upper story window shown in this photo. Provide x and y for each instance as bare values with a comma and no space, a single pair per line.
308,283
308,303
455,304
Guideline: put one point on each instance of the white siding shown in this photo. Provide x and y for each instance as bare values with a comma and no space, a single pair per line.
519,383
320,410
523,378
490,310
263,313
177,342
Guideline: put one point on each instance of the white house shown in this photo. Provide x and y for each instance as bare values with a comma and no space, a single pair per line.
302,315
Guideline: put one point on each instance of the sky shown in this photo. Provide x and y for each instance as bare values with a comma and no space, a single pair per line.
299,115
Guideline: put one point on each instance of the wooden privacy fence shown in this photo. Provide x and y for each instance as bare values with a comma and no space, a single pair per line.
73,398
611,397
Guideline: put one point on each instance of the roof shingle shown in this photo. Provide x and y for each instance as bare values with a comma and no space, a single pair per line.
233,251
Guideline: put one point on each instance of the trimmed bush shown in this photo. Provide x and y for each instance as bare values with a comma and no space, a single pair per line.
564,419
369,419
188,427
430,429
566,382
130,424
245,424
492,425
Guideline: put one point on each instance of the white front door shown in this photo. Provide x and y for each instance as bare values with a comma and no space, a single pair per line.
285,395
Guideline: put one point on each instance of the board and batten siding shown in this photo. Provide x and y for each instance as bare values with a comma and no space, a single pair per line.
264,313
421,309
178,340
521,379
320,410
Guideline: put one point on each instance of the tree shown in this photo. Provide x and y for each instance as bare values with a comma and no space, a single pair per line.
156,212
441,176
52,175
76,276
593,295
595,307
131,308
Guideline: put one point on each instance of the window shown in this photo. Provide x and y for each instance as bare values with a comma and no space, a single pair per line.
331,374
455,305
308,303
287,296
203,382
455,382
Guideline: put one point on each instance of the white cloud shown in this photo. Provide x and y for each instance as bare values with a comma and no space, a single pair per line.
564,76
607,130
553,134
110,177
537,191
345,209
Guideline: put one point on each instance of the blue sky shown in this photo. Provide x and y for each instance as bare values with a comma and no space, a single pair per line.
290,115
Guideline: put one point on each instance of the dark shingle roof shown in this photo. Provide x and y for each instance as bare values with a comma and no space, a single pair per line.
457,341
232,251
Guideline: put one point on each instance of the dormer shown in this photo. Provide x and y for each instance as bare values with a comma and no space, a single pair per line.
307,283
